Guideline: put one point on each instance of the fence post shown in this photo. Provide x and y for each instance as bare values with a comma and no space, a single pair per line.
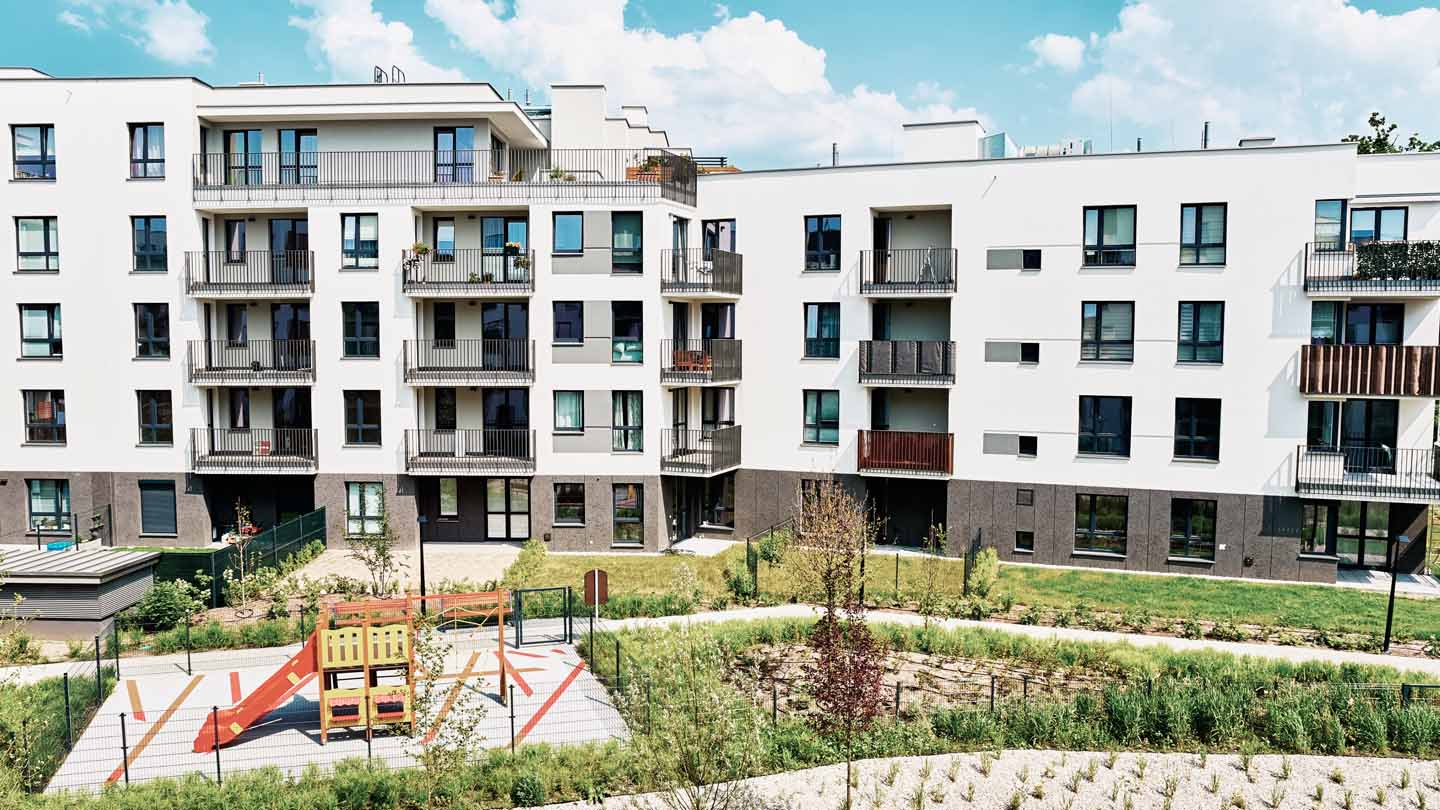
512,718
774,702
215,727
369,755
26,771
125,749
617,663
1404,695
897,701
99,682
992,693
897,577
519,618
1025,694
115,623
568,623
65,683
189,670
649,728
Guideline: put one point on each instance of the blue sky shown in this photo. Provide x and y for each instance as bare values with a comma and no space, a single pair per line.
773,83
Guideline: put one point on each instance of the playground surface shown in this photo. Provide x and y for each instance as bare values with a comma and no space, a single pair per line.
147,727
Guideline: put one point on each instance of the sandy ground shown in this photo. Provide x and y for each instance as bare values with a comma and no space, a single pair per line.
1042,780
477,563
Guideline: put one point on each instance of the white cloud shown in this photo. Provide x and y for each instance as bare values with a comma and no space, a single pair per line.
74,20
169,30
350,37
1060,51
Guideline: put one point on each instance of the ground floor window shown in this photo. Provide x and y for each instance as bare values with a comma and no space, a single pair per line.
157,507
1316,536
1362,533
507,508
49,504
1100,522
1192,528
364,504
1024,541
449,497
718,506
569,504
629,527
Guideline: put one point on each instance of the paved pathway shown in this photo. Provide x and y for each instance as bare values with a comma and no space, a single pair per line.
1423,586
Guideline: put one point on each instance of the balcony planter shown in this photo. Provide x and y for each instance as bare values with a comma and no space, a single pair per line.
1398,260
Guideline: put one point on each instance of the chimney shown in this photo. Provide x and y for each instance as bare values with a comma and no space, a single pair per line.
1205,136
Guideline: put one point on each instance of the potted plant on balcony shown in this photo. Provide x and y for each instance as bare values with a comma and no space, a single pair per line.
420,249
556,174
648,170
517,175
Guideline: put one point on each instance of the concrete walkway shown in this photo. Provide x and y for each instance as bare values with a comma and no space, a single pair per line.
1422,586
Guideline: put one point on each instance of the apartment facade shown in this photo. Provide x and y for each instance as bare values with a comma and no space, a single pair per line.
505,323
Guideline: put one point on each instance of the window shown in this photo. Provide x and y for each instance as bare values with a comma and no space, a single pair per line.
628,421
44,417
449,497
717,234
1105,425
444,228
822,417
40,331
1378,225
157,507
244,158
1374,324
364,505
1192,529
38,242
1325,322
626,233
299,156
455,155
1100,522
822,243
362,328
49,504
1024,497
822,330
1107,330
234,241
1316,535
1030,259
157,425
1322,429
1025,542
1029,446
237,325
149,244
569,504
569,322
152,330
1202,234
717,407
1329,224
359,241
717,501
569,233
1197,428
147,150
239,408
627,323
1110,235
629,514
507,509
569,411
362,417
1202,332
1029,352
33,149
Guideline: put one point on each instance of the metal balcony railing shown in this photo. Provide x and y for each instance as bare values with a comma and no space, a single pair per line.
699,452
695,271
250,273
470,450
250,362
1381,473
907,362
906,452
903,271
1370,371
699,361
1383,267
254,450
468,271
465,362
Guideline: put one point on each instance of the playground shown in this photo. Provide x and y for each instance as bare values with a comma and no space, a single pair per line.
348,692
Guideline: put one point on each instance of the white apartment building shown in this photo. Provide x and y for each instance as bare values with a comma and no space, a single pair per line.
518,322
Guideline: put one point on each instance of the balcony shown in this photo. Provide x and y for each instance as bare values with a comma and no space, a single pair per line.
472,272
1370,371
282,450
470,451
250,274
699,452
253,362
906,453
700,273
469,362
506,175
907,362
1368,473
1386,269
699,362
908,271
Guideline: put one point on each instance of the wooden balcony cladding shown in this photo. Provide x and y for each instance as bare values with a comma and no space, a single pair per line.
906,452
1370,371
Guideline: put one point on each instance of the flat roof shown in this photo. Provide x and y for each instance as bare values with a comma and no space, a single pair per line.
32,566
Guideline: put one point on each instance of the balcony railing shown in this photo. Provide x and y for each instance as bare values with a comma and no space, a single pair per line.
250,273
905,271
1381,267
505,174
907,362
468,271
695,271
906,452
1370,371
256,450
698,361
1381,473
467,362
470,450
699,452
251,362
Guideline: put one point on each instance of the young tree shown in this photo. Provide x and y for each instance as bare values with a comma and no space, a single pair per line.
1381,139
445,743
376,551
833,533
846,681
237,574
931,594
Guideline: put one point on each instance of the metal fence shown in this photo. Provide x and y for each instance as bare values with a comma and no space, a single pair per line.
697,271
908,270
271,547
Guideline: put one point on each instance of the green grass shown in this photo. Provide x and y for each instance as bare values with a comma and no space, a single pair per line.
32,724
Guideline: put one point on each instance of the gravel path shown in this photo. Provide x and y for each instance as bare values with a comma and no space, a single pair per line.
477,563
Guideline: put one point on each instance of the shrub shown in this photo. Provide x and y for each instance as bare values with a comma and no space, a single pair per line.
1227,630
771,547
685,588
1032,614
528,790
166,604
738,580
984,572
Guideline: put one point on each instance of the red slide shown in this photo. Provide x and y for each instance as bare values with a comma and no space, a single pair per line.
273,693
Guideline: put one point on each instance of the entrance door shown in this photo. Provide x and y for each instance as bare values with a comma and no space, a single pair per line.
1362,534
292,422
500,323
717,321
454,154
881,239
290,328
507,509
680,324
1368,434
289,250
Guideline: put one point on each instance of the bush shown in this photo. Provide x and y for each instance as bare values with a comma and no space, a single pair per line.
526,566
771,547
166,604
528,791
984,572
738,580
685,588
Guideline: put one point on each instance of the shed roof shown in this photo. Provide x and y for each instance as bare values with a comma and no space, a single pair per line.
93,566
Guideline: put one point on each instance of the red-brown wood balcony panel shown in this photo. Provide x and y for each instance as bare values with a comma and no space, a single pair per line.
1370,371
906,452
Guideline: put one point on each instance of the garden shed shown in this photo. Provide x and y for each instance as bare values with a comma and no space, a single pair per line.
73,594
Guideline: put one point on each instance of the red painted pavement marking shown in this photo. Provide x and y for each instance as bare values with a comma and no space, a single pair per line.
155,729
527,655
235,687
550,701
515,673
557,651
136,710
450,698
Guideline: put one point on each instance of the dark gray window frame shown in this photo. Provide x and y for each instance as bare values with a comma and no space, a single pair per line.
154,430
144,260
1188,437
1099,248
570,517
1090,539
1094,348
353,317
359,430
1200,246
1194,345
1100,435
1192,546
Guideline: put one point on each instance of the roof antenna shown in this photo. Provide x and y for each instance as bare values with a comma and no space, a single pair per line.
1205,136
527,97
507,94
834,153
1137,144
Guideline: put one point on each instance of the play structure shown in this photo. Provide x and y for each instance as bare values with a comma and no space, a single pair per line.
363,656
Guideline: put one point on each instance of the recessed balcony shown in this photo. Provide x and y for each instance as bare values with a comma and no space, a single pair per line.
279,450
1368,473
470,451
701,273
467,273
1370,371
699,361
908,271
699,452
907,362
250,362
250,274
1373,269
470,362
906,452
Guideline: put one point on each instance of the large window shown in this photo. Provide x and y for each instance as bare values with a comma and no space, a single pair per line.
1322,429
33,150
149,242
361,328
455,155
1378,224
1107,330
822,330
152,330
822,243
626,241
299,157
40,331
569,232
244,157
362,417
1192,528
628,422
717,505
37,241
822,417
147,150
1110,235
1373,324
449,498
717,408
364,505
629,515
569,504
1202,234
157,423
1105,425
1317,534
359,241
157,507
1329,224
1100,522
44,417
507,508
49,504
1202,332
627,321
569,411
1197,428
